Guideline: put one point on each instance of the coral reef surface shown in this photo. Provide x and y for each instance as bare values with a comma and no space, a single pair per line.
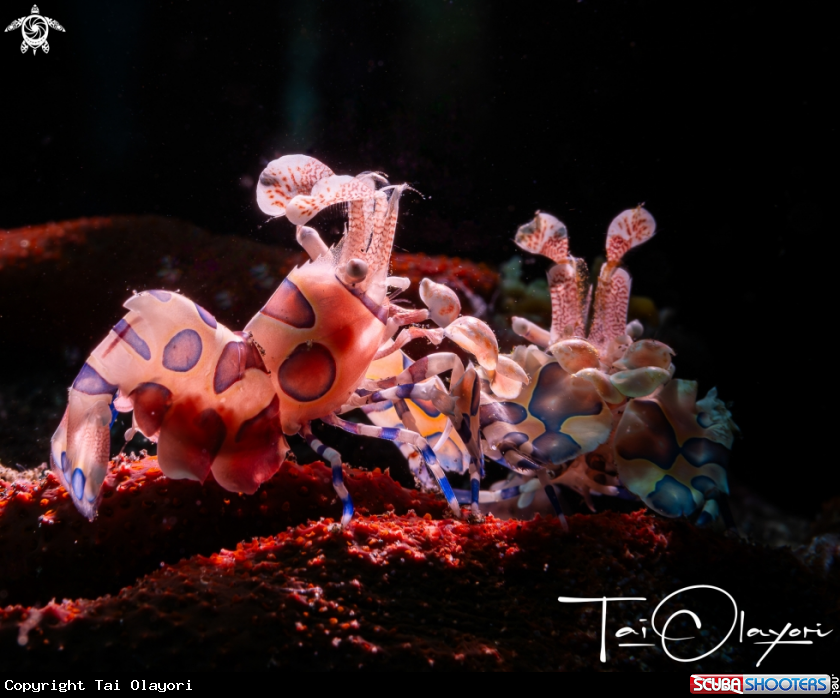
395,590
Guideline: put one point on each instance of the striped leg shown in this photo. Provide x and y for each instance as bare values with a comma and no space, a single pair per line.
403,436
334,457
465,415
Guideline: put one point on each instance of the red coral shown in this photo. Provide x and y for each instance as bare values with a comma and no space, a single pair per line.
405,592
48,549
36,243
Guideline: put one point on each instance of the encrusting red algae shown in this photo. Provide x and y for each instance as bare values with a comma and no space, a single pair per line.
397,591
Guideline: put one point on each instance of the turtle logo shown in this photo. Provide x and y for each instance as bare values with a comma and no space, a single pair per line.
35,28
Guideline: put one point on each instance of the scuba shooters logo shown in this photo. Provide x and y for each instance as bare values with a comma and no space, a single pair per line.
738,684
35,28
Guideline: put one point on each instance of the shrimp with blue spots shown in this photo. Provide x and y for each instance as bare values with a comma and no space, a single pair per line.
601,414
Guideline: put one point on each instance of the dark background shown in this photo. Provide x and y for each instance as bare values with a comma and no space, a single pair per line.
715,116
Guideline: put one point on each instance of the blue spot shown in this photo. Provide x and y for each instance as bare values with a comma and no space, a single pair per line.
428,455
555,448
704,419
507,412
114,414
703,484
91,383
656,443
78,483
406,362
64,463
183,351
389,433
671,498
553,401
207,317
474,490
126,332
404,391
162,296
704,519
510,492
700,451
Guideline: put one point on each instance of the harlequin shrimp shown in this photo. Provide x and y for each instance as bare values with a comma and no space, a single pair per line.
220,401
602,411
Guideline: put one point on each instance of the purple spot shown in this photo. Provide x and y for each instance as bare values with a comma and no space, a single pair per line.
231,366
705,485
162,296
183,351
700,451
289,305
553,402
308,373
64,463
513,439
656,442
91,383
555,448
78,483
129,336
207,317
